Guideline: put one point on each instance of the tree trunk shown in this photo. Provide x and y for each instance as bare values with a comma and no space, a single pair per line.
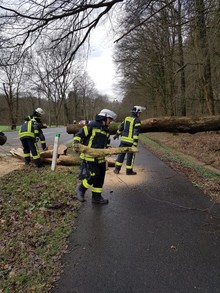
204,47
106,152
181,63
167,124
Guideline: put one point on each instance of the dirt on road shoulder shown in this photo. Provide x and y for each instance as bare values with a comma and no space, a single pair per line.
8,163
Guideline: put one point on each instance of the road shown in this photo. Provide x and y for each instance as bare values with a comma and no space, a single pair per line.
14,142
159,233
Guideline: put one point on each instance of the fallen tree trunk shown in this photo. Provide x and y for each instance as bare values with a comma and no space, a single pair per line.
72,160
65,160
69,160
96,153
167,124
62,149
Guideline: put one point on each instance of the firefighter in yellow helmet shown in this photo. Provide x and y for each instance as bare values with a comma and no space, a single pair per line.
129,132
95,135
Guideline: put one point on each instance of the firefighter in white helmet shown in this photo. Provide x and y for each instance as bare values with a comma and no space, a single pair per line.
129,132
30,133
92,174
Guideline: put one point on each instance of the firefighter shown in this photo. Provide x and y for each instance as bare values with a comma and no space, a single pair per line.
129,131
37,117
95,135
30,133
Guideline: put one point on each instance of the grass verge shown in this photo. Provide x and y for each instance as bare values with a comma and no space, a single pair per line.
6,128
37,209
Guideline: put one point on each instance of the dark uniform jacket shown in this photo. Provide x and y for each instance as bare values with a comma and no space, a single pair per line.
32,129
129,130
94,135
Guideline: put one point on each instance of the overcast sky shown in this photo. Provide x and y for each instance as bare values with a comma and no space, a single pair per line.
100,65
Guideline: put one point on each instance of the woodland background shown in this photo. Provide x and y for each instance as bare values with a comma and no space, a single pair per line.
167,55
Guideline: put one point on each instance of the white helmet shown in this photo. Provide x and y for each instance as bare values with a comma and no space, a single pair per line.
108,114
40,111
138,109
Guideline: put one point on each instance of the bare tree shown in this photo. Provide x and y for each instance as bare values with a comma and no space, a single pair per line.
86,95
202,43
23,22
181,62
53,79
11,78
147,62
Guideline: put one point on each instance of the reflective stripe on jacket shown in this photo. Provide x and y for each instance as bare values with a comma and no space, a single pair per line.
27,130
32,128
129,130
94,135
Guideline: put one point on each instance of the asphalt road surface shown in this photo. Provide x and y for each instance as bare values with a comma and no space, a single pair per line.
14,142
158,234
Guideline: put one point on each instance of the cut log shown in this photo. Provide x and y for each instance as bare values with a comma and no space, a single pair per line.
96,153
44,154
62,149
69,160
65,160
18,153
110,162
167,124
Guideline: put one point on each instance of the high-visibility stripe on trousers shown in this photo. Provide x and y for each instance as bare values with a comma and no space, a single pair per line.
97,177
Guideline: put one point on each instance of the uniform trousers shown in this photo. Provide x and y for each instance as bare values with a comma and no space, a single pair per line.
30,146
97,178
121,157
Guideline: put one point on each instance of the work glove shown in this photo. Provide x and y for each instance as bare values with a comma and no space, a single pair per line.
76,146
115,136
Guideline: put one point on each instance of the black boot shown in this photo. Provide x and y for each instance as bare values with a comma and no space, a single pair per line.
38,163
80,192
130,172
117,170
98,199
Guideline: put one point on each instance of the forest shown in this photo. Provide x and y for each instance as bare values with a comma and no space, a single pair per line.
167,55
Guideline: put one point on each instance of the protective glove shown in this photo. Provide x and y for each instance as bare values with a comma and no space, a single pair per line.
115,136
76,146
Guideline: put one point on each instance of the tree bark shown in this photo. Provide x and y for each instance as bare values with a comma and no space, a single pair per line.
204,47
167,124
105,152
